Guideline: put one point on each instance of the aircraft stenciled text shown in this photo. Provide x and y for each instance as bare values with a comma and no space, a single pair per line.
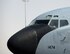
51,47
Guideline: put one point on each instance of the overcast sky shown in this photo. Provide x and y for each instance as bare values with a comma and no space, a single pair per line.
12,16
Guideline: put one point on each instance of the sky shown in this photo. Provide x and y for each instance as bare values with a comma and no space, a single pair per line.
12,16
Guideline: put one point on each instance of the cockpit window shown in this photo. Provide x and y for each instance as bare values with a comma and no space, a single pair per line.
55,16
54,23
41,21
63,23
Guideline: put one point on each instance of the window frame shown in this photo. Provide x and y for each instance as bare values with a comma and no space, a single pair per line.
51,21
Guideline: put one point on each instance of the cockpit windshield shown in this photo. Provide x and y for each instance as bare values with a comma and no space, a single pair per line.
41,21
54,23
63,23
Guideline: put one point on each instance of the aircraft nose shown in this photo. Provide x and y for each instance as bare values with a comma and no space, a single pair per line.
26,40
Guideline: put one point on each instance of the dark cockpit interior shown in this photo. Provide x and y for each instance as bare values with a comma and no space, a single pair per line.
41,21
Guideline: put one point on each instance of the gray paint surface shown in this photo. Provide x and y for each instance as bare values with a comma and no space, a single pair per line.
63,13
55,42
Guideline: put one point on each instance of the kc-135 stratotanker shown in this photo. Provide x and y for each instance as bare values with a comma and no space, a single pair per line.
49,33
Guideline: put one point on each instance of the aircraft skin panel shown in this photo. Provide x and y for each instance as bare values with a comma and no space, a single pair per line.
62,13
55,42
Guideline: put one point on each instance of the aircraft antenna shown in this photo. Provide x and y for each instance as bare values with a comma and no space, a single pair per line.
25,11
